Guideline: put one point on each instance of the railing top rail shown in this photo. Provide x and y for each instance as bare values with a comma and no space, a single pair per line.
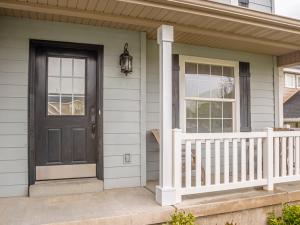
286,134
217,136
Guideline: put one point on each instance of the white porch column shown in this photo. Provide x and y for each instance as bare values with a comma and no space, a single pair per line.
165,191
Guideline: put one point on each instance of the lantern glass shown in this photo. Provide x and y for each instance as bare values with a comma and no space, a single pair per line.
126,61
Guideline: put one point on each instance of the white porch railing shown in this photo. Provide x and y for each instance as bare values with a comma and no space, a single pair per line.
222,161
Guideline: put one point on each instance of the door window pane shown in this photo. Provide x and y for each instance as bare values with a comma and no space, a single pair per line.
53,66
54,105
66,86
79,67
67,67
66,105
79,86
53,85
78,105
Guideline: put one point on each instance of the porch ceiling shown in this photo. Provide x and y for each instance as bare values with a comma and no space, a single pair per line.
197,22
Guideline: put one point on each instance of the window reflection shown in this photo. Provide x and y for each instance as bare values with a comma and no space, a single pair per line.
66,86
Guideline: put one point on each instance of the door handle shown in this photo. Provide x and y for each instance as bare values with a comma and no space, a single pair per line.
93,115
93,121
94,129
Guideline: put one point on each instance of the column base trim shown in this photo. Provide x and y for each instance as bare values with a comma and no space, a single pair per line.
166,196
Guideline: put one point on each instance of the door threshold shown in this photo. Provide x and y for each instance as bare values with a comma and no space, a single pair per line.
56,172
65,187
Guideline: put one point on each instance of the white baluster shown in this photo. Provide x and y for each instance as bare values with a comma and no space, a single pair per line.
276,155
291,156
217,161
283,156
188,164
259,158
226,161
251,159
243,160
198,164
235,161
297,155
207,163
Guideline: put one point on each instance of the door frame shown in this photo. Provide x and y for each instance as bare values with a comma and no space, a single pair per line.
98,49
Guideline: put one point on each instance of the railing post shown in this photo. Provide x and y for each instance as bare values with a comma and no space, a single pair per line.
268,161
177,162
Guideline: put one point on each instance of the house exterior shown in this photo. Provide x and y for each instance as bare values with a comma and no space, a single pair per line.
209,69
290,96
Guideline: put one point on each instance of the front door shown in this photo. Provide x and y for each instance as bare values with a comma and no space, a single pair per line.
66,113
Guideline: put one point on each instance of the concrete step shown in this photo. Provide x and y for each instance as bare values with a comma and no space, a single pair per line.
65,187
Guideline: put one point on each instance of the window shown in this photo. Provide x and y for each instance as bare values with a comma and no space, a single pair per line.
298,81
208,95
66,86
244,3
290,80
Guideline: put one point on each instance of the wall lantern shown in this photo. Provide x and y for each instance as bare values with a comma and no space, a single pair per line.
126,61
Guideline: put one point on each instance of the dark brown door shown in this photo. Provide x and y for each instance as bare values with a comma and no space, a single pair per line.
66,111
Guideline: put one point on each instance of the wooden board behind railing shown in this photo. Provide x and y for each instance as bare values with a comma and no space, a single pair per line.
156,134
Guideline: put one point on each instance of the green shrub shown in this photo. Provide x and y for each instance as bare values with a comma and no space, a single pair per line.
290,216
230,223
181,218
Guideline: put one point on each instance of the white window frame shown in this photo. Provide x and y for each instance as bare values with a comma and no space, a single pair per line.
297,83
295,80
200,60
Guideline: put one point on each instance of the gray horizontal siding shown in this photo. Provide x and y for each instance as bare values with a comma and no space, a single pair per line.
259,5
262,96
121,102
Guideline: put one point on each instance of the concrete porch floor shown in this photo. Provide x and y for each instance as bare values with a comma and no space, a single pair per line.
134,206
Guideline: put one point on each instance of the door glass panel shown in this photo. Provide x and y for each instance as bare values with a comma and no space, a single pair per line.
66,86
78,105
53,66
66,104
53,85
78,86
79,67
66,67
53,105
